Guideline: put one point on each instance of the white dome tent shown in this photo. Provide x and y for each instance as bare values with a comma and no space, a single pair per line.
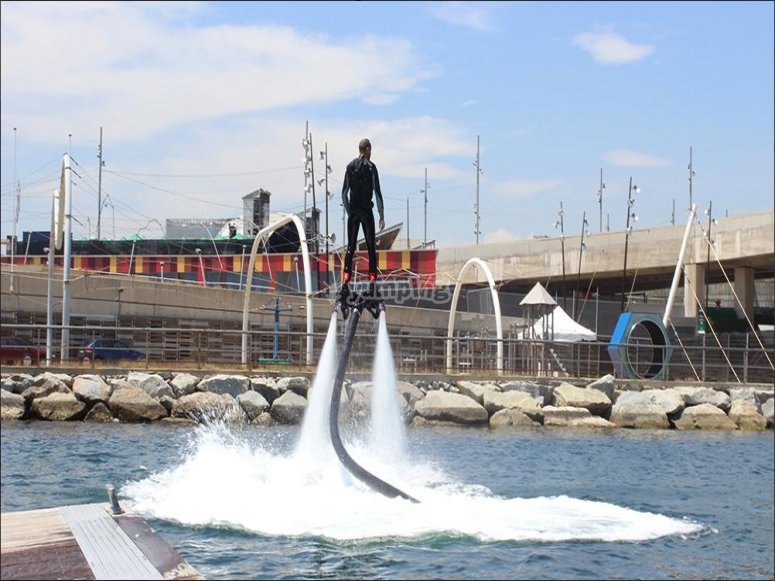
558,326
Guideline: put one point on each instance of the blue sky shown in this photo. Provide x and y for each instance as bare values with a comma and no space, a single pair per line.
203,103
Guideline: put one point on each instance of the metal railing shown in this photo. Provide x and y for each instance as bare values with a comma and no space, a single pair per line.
739,358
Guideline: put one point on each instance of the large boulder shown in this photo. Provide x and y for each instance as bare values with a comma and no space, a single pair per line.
476,390
232,385
495,401
91,389
571,416
700,395
151,383
298,385
11,405
253,404
99,413
266,386
289,408
183,384
58,406
45,384
568,395
451,407
704,417
130,403
634,409
205,406
509,417
768,411
746,415
668,399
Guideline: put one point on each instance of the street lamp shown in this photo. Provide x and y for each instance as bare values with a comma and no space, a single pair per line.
711,221
630,214
324,158
561,223
50,305
582,246
600,198
201,267
118,298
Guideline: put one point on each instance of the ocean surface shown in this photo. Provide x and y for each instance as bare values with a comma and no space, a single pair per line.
273,502
238,503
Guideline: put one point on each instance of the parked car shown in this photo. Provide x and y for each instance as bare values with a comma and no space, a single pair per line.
101,348
18,350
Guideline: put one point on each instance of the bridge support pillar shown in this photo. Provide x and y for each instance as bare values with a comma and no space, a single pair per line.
744,290
694,288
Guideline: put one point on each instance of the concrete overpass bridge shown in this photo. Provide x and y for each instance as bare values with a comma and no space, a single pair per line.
742,251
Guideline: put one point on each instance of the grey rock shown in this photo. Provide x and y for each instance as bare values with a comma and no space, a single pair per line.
704,416
232,385
11,405
130,403
58,406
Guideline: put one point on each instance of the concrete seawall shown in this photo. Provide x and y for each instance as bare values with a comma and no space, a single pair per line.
133,397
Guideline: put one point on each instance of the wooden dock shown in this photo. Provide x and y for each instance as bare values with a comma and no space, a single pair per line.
87,541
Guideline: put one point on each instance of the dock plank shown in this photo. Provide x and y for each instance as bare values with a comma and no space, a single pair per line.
85,542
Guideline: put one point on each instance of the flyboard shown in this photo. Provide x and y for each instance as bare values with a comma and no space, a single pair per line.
352,304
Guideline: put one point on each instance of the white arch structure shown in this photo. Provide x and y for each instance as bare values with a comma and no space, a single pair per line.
307,281
496,304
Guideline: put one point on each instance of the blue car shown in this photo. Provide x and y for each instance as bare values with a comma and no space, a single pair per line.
104,349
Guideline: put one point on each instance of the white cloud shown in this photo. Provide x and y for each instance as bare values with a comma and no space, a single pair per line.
609,48
119,64
626,158
525,188
468,14
500,235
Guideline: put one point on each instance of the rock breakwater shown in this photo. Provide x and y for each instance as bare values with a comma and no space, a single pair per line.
602,404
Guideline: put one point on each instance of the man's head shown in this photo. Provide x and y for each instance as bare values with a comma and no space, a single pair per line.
364,147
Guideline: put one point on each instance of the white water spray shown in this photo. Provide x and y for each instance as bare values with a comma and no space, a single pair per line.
242,481
387,438
315,438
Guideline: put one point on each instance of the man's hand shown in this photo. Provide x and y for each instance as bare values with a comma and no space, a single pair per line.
381,225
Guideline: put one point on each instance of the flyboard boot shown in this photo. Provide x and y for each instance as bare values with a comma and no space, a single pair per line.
343,296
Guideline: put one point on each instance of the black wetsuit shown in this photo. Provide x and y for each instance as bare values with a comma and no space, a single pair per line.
359,206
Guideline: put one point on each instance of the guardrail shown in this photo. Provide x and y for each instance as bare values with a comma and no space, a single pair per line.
737,359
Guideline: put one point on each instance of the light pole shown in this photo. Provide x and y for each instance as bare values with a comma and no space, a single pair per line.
324,157
50,305
425,193
479,171
711,221
201,267
630,214
600,198
561,223
118,298
582,246
242,269
691,175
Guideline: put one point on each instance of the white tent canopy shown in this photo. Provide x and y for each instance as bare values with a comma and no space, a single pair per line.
565,328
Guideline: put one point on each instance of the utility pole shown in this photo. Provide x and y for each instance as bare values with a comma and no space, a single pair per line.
425,193
407,224
582,246
691,175
479,171
600,198
561,224
99,187
15,212
710,242
630,214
